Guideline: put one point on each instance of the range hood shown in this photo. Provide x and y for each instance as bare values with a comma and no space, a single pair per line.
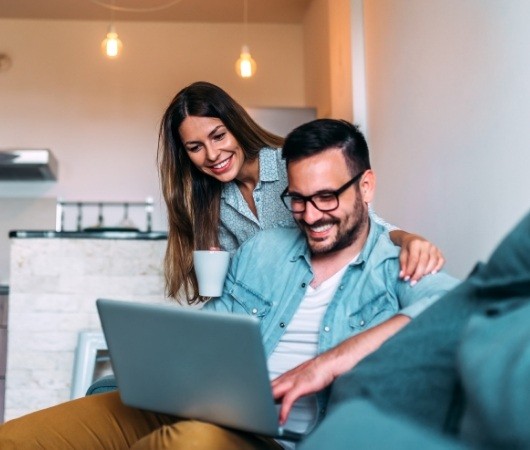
27,165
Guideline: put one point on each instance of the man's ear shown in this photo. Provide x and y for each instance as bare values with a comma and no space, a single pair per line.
367,186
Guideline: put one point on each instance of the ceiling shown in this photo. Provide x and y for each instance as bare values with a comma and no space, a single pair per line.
259,11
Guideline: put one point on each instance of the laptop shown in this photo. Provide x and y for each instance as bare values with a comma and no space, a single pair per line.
191,364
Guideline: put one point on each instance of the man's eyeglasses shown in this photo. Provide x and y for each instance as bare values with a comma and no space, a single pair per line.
324,201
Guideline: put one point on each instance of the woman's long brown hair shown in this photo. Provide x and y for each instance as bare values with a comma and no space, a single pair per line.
193,198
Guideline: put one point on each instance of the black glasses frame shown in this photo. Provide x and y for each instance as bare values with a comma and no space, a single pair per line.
285,195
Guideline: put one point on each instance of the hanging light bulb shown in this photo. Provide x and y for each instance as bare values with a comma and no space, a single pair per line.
112,45
245,65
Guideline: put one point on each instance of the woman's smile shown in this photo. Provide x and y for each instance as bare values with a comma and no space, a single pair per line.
211,147
222,166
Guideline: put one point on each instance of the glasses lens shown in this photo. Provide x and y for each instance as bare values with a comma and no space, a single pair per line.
325,202
295,204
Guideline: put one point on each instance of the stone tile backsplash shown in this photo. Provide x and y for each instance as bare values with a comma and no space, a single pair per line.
53,287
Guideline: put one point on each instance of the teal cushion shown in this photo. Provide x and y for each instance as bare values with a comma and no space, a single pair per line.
494,365
104,384
358,424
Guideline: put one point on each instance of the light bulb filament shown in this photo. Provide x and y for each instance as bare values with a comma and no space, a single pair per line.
246,68
112,45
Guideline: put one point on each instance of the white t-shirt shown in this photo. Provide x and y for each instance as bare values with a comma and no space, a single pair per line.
298,344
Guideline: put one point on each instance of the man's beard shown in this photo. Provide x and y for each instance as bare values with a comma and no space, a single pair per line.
345,236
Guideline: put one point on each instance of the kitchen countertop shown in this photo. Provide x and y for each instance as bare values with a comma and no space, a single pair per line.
104,234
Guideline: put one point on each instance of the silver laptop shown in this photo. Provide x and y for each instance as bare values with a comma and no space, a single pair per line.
192,364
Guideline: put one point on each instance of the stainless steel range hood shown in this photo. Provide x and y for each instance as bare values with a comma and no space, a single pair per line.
27,165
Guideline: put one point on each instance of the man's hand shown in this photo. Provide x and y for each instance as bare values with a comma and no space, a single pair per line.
307,378
418,256
319,372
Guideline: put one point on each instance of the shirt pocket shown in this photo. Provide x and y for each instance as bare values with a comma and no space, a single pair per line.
378,309
249,302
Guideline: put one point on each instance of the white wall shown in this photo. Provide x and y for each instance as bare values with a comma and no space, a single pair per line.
101,117
448,105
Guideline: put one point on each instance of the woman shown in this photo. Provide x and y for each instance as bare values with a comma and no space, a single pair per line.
222,176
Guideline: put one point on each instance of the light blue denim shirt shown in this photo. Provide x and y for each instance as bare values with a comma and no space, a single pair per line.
238,223
270,273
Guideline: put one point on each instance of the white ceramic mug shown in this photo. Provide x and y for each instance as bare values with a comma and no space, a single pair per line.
211,267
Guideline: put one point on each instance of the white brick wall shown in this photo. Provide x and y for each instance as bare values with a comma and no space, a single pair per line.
53,287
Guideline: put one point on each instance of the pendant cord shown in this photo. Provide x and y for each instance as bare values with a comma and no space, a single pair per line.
245,20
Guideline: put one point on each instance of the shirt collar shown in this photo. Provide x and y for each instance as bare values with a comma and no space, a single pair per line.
268,170
371,240
268,164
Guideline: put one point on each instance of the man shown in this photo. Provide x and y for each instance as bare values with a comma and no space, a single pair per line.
457,378
327,294
330,186
330,288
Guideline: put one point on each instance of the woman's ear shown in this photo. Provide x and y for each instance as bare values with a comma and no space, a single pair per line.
367,186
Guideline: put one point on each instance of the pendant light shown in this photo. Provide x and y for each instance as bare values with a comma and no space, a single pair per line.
245,65
111,45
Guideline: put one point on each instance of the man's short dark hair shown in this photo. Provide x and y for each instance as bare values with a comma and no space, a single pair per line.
323,134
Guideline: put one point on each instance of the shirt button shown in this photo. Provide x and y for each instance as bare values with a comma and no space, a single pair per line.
303,285
361,323
282,325
255,311
341,287
326,329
